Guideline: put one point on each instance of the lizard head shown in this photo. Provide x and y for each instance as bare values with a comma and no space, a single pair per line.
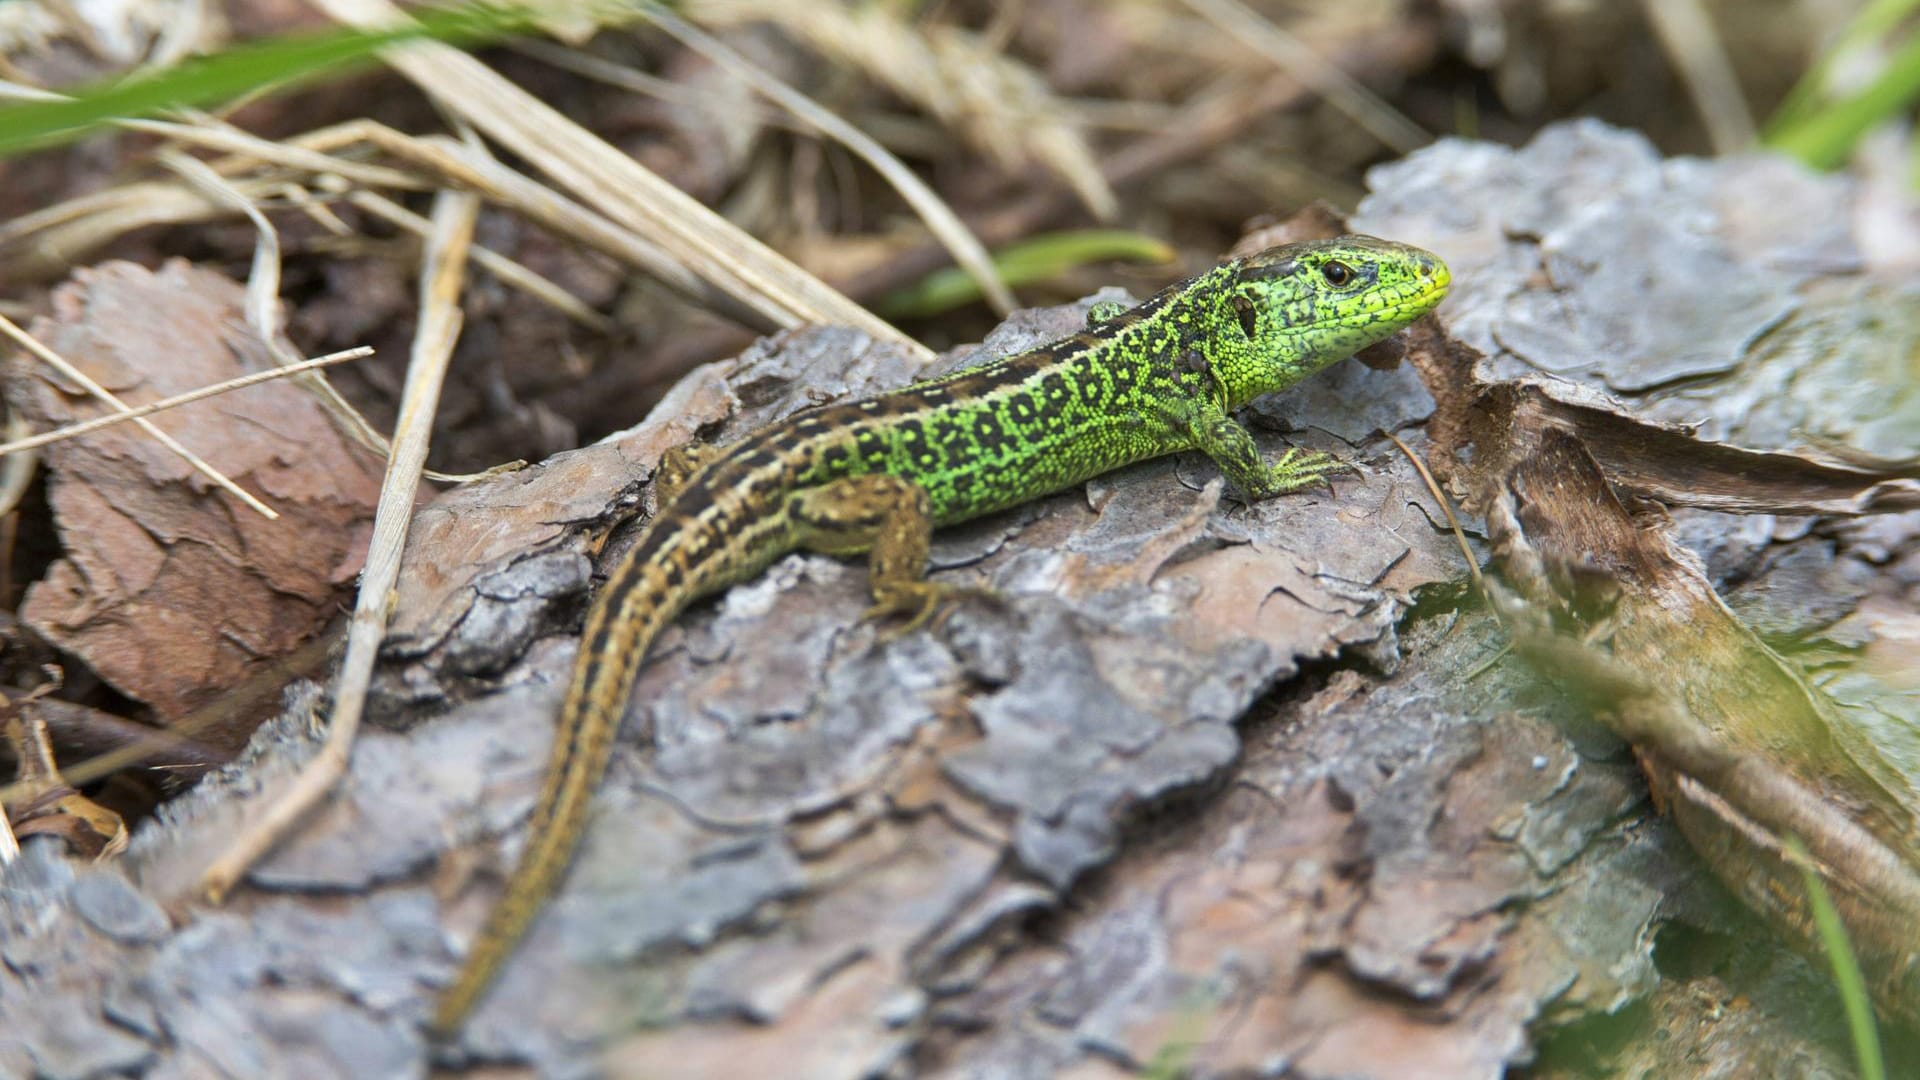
1291,310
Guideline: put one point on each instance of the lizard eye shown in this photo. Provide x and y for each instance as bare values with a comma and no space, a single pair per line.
1244,310
1337,273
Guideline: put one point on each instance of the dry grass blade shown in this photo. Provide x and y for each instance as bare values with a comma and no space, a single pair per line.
242,148
1342,91
55,236
508,271
600,69
953,233
49,241
438,161
1686,32
263,276
1744,787
315,206
1446,507
87,427
1000,106
16,478
615,184
181,35
441,277
29,26
263,291
467,167
60,364
9,846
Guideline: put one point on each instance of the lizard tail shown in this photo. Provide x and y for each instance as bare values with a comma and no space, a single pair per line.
643,594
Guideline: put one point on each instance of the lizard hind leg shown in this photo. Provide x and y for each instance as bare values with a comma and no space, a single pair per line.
891,519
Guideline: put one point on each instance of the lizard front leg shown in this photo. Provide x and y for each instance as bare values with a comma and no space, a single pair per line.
1232,448
891,519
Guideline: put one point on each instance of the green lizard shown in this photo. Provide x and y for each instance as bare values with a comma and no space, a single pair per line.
879,474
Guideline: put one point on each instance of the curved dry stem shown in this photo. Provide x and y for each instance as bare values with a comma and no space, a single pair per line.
88,427
998,105
442,274
1686,32
1345,93
615,184
946,225
199,464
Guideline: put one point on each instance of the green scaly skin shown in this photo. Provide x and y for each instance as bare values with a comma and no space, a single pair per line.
879,474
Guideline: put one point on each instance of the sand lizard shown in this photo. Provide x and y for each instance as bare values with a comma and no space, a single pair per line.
879,474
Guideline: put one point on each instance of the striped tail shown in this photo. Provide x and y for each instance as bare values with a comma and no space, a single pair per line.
645,592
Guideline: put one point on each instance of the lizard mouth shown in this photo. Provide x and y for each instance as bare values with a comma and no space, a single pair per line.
1427,298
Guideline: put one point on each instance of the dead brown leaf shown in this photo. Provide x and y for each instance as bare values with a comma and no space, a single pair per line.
167,589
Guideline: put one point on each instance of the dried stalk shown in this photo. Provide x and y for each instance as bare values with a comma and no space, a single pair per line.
59,363
241,382
442,274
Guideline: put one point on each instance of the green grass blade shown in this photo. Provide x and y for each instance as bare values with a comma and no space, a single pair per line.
1038,259
234,72
1877,20
1846,969
1824,137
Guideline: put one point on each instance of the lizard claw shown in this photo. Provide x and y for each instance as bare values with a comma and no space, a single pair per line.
1298,469
920,602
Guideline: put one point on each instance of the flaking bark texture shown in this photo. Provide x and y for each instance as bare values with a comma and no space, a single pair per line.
1240,790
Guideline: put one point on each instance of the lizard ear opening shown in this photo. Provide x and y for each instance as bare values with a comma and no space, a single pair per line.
1247,313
